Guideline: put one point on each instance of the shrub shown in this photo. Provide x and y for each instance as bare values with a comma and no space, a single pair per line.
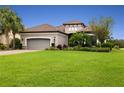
18,44
79,38
64,46
120,43
51,48
2,46
53,44
108,44
116,46
69,49
86,49
95,49
77,48
98,45
88,42
59,47
103,49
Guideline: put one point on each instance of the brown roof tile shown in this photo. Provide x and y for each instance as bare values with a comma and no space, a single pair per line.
73,22
60,28
44,27
49,28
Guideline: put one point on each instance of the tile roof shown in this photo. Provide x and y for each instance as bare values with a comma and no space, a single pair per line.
60,28
44,27
73,22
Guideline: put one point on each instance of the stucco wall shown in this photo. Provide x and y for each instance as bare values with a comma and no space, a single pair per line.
62,39
59,37
3,37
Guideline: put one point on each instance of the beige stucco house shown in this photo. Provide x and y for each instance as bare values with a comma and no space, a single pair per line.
43,36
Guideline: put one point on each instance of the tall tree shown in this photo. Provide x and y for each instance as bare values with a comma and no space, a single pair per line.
102,28
16,26
5,23
10,22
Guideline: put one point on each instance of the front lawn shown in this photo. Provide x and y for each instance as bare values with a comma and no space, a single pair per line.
62,68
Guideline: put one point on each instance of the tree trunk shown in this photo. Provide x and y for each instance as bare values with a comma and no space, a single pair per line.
98,42
7,39
13,41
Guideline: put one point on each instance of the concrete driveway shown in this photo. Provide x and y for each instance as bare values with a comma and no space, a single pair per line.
9,52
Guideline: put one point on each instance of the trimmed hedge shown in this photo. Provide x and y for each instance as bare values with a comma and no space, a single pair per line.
96,49
52,48
69,49
108,45
58,47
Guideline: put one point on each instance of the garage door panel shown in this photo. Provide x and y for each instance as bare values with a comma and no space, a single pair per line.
38,43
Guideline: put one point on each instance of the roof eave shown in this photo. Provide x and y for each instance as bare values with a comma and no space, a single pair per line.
43,32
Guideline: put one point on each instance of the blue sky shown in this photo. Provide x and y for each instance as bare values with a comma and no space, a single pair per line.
56,15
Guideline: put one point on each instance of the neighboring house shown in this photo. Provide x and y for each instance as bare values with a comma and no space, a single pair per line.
42,36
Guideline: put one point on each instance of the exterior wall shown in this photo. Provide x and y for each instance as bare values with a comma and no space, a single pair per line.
11,36
3,37
59,38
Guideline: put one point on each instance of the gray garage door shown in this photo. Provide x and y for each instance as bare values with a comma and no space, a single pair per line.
38,43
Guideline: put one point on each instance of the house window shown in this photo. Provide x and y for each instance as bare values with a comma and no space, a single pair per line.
69,29
75,28
72,28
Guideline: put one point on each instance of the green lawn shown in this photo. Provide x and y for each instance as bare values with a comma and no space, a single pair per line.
62,68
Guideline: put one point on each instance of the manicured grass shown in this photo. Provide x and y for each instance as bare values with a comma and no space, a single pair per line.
62,68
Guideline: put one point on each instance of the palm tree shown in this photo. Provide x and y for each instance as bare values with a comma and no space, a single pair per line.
5,23
78,39
16,26
10,22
